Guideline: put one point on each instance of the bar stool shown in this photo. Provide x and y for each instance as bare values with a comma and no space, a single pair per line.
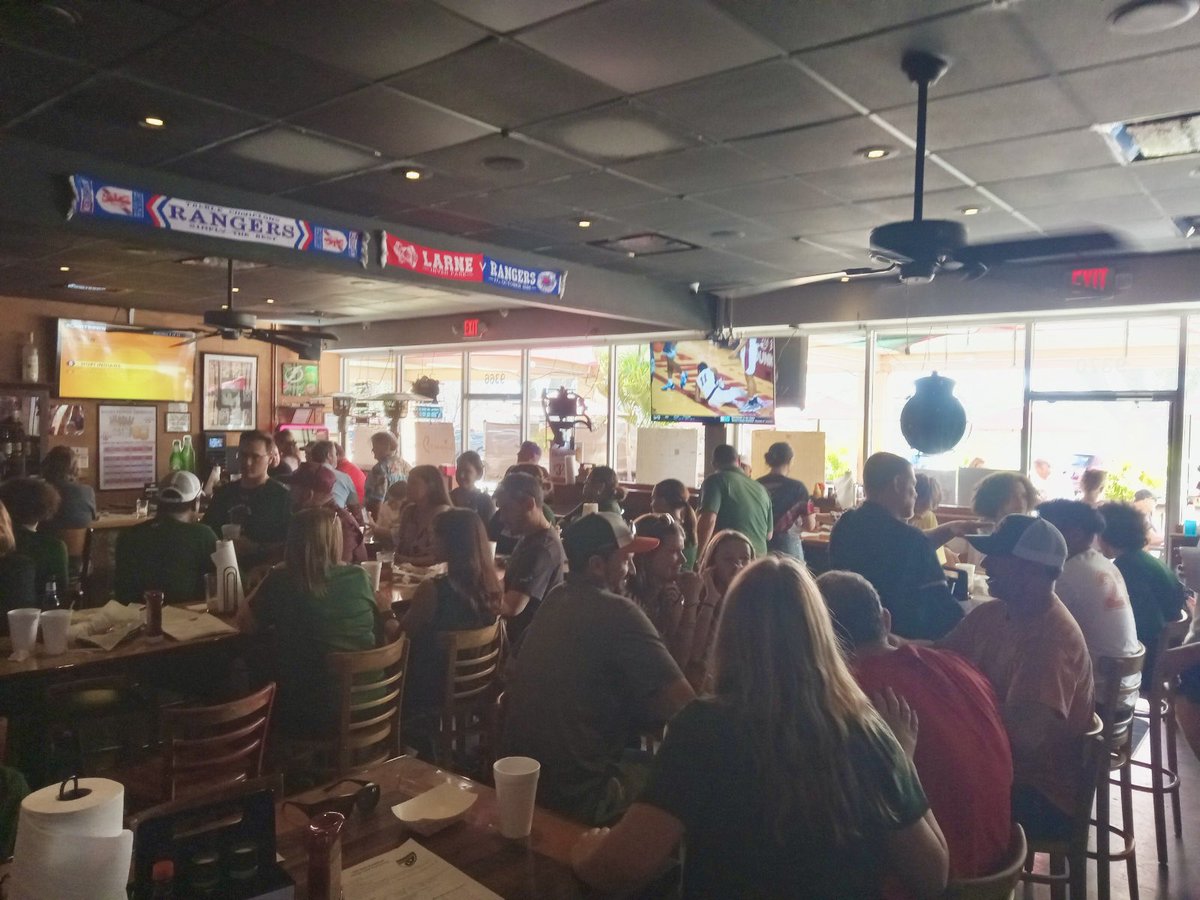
1164,778
1115,709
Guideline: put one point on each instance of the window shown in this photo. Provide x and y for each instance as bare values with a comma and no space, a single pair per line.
494,409
446,370
1106,354
583,370
366,375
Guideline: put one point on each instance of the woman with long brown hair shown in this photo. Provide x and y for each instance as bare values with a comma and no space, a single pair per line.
467,596
727,554
427,497
787,782
667,594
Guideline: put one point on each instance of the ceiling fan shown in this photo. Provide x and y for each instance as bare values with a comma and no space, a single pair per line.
230,324
919,249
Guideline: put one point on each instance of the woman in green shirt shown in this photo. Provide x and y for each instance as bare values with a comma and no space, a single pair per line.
313,605
30,502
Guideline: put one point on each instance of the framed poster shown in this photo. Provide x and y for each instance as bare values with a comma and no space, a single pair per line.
178,422
299,379
230,392
128,443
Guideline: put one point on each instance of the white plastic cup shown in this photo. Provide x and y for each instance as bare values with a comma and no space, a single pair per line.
231,532
22,629
374,570
969,568
492,551
55,627
589,508
516,780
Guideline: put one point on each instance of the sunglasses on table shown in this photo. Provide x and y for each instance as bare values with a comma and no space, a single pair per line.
364,799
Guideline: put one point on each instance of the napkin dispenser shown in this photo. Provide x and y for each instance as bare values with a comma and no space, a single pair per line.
221,844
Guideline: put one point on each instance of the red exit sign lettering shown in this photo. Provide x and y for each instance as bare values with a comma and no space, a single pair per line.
470,328
1095,279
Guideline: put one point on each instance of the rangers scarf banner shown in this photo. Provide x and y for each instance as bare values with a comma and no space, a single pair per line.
98,199
457,266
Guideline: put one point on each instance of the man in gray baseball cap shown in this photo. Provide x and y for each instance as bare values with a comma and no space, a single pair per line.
1031,650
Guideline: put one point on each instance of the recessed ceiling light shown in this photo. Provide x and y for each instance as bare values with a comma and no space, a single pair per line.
152,122
411,174
971,210
235,290
64,268
631,254
844,279
224,306
1151,16
875,152
584,223
270,299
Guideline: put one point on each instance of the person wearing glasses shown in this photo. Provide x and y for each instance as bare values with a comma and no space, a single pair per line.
256,502
668,595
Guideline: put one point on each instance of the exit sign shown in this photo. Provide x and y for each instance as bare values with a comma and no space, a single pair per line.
472,329
1097,279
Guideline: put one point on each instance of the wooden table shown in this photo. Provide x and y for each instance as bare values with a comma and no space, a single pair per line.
537,868
118,520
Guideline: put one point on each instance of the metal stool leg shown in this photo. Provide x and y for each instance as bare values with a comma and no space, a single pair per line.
1127,829
1173,766
1156,780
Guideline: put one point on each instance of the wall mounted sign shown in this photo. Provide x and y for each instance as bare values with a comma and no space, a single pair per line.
299,380
230,392
97,199
127,447
454,265
178,422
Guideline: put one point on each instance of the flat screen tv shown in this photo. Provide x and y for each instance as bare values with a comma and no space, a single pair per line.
697,381
100,361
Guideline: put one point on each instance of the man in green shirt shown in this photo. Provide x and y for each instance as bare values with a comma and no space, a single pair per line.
172,552
731,499
259,504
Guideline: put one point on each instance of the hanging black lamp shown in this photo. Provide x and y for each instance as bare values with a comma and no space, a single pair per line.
933,420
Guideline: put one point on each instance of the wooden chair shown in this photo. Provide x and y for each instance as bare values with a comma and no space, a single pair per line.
999,885
1071,849
473,660
1164,775
370,687
1115,708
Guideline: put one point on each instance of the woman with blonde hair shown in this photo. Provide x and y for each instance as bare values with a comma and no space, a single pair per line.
313,605
727,554
787,782
426,497
668,595
17,588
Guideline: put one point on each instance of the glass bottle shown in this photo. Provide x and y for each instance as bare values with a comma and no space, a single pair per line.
50,597
323,841
189,454
175,463
154,605
31,368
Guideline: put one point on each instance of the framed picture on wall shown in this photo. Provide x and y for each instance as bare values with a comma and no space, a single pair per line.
230,392
299,380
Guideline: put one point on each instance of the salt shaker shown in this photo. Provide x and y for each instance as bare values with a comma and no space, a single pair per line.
323,840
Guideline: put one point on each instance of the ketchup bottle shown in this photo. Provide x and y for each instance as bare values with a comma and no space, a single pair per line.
323,841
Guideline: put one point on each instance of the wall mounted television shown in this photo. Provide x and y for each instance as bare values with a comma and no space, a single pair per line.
101,361
697,381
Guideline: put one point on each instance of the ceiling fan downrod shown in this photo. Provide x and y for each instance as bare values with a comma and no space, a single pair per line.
924,69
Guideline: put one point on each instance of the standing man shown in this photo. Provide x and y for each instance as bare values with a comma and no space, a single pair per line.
1034,655
729,498
356,475
389,468
536,563
592,673
259,504
876,541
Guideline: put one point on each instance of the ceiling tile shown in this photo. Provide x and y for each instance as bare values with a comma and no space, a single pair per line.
27,79
881,179
647,44
400,126
300,152
378,38
807,222
1139,89
792,256
594,191
768,197
1167,174
387,191
986,47
798,25
700,169
664,215
1158,234
106,30
511,237
504,207
769,96
1180,203
433,219
103,116
1066,151
504,84
558,229
818,147
1110,211
613,133
467,161
240,72
937,205
511,14
1066,187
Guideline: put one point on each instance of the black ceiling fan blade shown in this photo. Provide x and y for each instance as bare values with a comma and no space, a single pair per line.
198,336
840,275
301,334
1054,245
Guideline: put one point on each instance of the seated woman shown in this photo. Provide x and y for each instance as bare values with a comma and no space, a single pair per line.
602,489
671,496
17,589
787,782
427,498
77,502
996,496
313,605
727,554
466,496
791,505
467,596
667,594
387,515
30,502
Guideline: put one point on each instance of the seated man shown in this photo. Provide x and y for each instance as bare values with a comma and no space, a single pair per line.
536,563
259,504
312,486
592,672
170,553
876,541
962,754
1034,655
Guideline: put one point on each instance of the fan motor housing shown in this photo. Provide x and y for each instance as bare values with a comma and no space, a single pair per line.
928,241
229,319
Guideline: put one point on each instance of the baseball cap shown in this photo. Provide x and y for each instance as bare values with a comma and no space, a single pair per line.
600,532
317,477
1025,537
179,487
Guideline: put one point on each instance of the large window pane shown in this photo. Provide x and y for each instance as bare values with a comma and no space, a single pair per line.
494,409
583,370
446,370
1106,354
367,374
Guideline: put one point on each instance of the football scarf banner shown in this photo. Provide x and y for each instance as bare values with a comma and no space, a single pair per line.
456,266
95,198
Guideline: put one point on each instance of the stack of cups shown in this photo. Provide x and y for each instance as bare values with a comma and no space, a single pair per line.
516,780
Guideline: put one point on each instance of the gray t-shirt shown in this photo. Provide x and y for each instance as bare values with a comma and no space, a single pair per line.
590,668
534,569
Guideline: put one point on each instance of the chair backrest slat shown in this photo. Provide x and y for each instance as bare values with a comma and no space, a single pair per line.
369,710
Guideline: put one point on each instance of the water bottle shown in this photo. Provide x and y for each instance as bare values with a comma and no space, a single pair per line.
50,598
189,454
175,463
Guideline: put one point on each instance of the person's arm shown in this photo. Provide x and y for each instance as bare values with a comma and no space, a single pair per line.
1029,725
421,611
671,699
919,856
629,854
947,532
1172,663
706,524
939,611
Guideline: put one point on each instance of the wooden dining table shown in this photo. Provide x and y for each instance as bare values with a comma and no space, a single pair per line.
534,868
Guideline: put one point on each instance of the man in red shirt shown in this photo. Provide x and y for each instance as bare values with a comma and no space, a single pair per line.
962,754
357,475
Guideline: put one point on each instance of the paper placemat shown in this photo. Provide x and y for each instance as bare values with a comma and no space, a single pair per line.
410,872
184,625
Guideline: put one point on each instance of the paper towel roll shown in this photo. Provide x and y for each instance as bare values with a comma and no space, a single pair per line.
229,579
72,849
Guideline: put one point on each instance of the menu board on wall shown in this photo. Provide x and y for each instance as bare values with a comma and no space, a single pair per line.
127,447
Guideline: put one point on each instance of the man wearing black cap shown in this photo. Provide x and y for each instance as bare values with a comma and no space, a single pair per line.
1031,650
536,563
593,671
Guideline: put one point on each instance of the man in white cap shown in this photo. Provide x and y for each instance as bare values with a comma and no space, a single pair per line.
1031,650
170,553
592,671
